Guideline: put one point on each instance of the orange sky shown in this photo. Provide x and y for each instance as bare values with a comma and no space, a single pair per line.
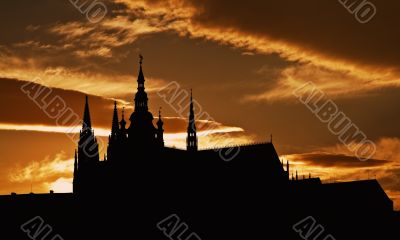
243,62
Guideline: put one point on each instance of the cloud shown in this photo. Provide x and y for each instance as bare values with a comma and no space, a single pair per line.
333,82
52,129
321,159
341,56
48,172
213,135
61,185
329,49
210,134
35,119
44,170
90,82
19,108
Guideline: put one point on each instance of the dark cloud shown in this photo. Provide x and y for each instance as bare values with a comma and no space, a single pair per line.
325,27
18,108
338,160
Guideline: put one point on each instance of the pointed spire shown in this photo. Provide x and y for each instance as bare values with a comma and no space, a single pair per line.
192,120
141,79
141,99
159,122
115,121
191,141
160,130
87,123
123,122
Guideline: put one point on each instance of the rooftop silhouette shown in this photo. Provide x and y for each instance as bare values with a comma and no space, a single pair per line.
141,181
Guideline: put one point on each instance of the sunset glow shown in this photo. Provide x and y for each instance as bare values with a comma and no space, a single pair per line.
243,67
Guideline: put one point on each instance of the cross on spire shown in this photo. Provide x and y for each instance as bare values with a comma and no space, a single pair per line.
141,59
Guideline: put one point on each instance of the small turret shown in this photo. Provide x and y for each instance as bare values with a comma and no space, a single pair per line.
160,130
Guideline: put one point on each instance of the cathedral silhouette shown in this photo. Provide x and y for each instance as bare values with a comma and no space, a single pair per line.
142,142
140,182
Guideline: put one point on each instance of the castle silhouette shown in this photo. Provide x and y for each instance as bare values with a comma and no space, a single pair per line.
143,143
141,181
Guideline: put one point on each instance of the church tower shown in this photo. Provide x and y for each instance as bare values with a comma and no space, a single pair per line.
88,149
88,152
141,98
115,127
160,130
191,140
115,137
142,134
123,130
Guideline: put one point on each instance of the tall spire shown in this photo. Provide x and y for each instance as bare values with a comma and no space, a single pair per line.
191,141
191,113
115,122
88,147
141,79
87,123
141,95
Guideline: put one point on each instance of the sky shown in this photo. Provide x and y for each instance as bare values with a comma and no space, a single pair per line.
244,61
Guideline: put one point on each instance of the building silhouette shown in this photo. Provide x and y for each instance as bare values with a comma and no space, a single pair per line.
140,182
141,143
